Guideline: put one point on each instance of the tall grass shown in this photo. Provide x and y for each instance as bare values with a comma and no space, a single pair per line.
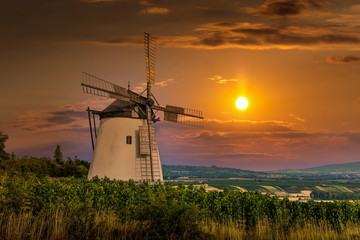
265,231
58,225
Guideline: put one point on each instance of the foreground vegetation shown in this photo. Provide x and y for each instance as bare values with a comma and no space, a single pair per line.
69,208
39,201
62,225
56,167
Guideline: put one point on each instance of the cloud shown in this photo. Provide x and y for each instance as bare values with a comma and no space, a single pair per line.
165,82
65,118
142,86
355,8
221,80
50,120
342,59
96,1
349,16
121,41
284,8
99,21
352,137
248,125
252,144
300,119
210,25
264,36
155,10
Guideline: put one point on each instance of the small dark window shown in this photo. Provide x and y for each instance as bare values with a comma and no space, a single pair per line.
128,139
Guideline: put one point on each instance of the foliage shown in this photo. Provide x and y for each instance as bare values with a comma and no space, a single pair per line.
41,166
3,138
58,157
175,171
44,167
323,195
164,209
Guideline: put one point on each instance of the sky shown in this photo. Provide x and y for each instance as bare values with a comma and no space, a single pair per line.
297,61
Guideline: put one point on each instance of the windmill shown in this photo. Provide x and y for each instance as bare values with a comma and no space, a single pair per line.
126,146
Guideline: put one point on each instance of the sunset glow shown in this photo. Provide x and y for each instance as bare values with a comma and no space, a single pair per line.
242,103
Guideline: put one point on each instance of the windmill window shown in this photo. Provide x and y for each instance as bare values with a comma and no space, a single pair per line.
128,139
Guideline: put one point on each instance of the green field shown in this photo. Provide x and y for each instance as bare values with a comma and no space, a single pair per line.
276,186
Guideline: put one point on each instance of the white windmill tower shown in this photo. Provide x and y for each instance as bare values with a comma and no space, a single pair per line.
126,145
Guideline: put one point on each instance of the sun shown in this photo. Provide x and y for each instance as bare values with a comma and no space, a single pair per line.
242,103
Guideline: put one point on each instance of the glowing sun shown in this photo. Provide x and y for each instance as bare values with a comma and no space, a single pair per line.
242,103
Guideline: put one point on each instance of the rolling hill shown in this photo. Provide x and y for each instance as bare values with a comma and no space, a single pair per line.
175,171
333,171
343,168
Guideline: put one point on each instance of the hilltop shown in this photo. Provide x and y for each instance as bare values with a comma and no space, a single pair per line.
175,171
342,168
333,171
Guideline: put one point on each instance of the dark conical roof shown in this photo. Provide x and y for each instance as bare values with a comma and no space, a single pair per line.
121,108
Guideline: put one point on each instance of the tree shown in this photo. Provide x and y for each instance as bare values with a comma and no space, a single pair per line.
58,157
3,138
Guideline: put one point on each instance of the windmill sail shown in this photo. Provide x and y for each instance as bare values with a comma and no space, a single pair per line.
99,87
181,115
150,49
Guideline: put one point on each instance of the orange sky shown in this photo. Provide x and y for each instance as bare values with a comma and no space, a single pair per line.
297,61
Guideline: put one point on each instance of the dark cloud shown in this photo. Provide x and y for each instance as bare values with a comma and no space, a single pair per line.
258,36
50,120
353,137
285,8
249,126
65,117
342,59
262,36
258,31
226,24
132,40
213,41
70,113
122,22
282,8
104,21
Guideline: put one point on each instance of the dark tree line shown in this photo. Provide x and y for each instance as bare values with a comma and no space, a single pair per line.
323,195
56,167
3,138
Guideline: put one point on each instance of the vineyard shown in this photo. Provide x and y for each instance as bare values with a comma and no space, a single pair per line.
96,209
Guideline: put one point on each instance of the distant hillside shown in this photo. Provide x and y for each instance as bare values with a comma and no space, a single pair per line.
343,168
333,171
175,171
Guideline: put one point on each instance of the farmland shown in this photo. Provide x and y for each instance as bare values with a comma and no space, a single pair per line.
293,189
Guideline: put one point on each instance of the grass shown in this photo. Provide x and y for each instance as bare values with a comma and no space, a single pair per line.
265,231
102,225
342,189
